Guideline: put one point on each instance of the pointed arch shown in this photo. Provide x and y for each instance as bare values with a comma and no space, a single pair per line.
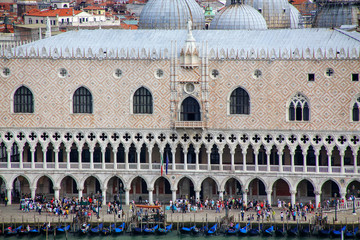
142,101
23,100
239,101
82,101
355,108
190,110
299,109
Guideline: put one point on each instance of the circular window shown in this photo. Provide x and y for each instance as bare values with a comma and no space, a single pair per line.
118,73
189,88
257,74
214,74
159,73
329,72
63,72
5,72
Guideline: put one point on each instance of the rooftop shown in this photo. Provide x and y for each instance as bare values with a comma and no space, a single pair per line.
53,13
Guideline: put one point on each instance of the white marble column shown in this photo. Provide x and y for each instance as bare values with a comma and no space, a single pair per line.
103,193
33,192
173,152
197,195
244,159
57,193
293,197
185,159
150,157
21,158
56,153
127,158
221,195
245,196
103,151
8,157
44,150
256,153
115,158
317,198
80,157
221,151
151,200
355,162
68,150
127,196
232,156
80,191
268,196
342,168
197,151
32,152
329,163
317,161
9,196
173,195
304,161
208,151
268,154
138,151
292,155
91,151
280,161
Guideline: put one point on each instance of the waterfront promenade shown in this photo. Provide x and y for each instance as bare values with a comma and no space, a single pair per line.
12,214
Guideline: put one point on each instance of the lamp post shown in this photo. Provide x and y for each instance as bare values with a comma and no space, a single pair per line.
335,195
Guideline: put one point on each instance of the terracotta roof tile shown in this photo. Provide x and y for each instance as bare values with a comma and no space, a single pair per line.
52,13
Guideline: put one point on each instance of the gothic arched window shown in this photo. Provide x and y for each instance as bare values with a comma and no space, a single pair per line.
143,102
299,108
82,101
239,102
355,110
190,110
23,100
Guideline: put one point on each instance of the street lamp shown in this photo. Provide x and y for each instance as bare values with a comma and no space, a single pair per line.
335,195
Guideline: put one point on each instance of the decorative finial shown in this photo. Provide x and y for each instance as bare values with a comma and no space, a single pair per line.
189,25
48,28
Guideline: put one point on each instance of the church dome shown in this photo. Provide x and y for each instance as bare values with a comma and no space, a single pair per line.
171,14
275,12
238,16
296,20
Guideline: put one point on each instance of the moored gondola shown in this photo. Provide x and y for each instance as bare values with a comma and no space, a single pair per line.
337,233
165,230
151,230
118,230
304,231
351,233
293,232
107,230
186,230
12,231
244,230
138,230
268,232
254,231
325,233
62,229
233,230
96,230
84,229
280,232
212,230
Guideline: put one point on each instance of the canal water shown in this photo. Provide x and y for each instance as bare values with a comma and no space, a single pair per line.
169,236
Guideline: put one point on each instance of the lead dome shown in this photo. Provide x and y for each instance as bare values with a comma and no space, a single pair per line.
238,16
171,14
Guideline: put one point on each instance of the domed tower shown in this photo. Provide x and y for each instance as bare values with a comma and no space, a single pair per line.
336,13
238,16
171,14
275,12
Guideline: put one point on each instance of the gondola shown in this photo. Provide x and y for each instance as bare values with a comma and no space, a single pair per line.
165,230
23,231
254,232
233,230
151,230
84,229
61,229
50,229
324,233
268,232
10,231
118,230
351,234
280,232
33,231
212,230
337,233
305,231
107,230
138,230
293,232
186,230
96,230
244,230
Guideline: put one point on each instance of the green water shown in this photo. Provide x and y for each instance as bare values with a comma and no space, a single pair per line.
172,235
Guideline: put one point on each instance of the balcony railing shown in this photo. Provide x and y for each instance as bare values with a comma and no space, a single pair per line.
190,124
179,167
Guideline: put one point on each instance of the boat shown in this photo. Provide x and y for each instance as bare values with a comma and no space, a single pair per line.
151,230
324,233
33,231
96,230
244,230
233,230
84,229
11,231
139,230
337,233
351,234
305,231
118,230
165,230
61,229
280,232
268,232
212,230
107,230
186,230
47,227
23,231
254,231
293,232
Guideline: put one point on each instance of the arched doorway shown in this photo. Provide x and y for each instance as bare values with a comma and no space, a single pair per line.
257,190
68,187
21,189
115,190
162,190
281,192
329,191
209,189
185,188
45,187
233,189
305,192
190,110
139,191
92,187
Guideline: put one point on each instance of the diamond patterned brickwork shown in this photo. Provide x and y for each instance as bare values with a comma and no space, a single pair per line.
330,97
